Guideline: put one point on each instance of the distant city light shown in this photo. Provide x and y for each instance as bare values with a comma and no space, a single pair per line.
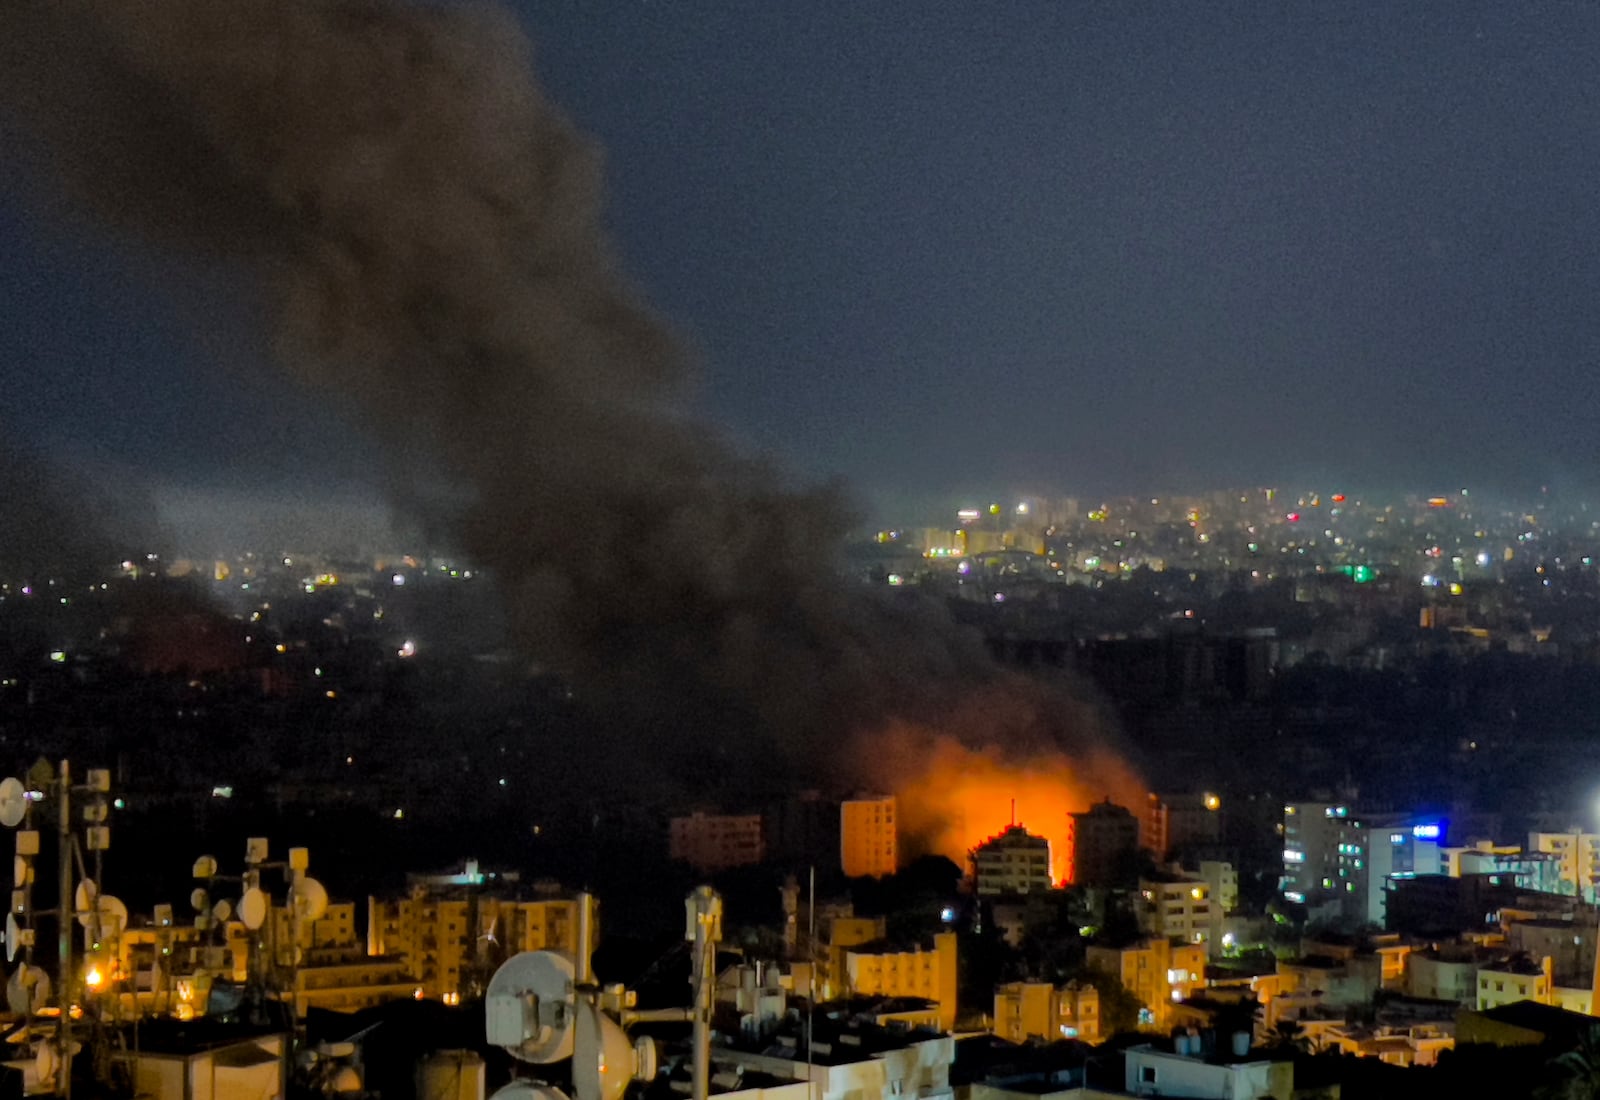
398,580
223,791
409,649
58,655
1425,832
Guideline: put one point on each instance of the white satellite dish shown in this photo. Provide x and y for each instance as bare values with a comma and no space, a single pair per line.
13,936
205,867
222,910
113,914
527,1090
529,1006
199,900
28,990
83,900
313,896
253,908
13,802
45,1060
603,1060
21,871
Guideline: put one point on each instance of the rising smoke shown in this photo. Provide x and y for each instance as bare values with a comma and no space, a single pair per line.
425,229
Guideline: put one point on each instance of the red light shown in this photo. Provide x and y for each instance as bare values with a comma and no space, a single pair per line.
1293,517
1338,498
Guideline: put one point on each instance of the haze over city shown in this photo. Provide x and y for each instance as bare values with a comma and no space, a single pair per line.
1064,536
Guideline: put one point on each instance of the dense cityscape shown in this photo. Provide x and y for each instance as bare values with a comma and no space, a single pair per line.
659,552
1409,845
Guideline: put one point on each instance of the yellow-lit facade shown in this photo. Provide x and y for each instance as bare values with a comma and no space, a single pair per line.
1039,1010
869,836
928,972
1156,971
444,941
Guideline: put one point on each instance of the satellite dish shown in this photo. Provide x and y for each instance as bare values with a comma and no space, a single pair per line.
83,900
530,1006
527,1090
13,802
21,871
313,896
45,1059
603,1060
13,936
28,990
222,910
346,1080
113,914
205,867
200,901
253,908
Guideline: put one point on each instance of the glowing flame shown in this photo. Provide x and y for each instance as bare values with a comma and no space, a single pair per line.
953,797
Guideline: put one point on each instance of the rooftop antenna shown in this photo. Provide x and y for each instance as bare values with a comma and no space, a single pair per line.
272,964
544,1007
29,988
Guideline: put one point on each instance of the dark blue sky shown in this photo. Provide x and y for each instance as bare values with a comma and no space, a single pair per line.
1075,247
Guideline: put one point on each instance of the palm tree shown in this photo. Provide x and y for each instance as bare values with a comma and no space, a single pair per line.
1577,1072
1287,1036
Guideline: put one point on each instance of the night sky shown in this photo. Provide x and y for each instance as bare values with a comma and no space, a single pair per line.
1025,247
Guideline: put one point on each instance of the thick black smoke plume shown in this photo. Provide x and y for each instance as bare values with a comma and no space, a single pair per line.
426,228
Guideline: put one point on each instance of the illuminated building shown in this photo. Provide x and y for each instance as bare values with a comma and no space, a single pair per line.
868,836
1149,1071
1223,881
1519,978
1341,863
446,942
715,842
1102,839
1179,908
921,971
1578,860
1039,1010
1155,970
1507,864
1013,862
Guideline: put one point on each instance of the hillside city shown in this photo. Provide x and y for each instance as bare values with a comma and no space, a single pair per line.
1366,856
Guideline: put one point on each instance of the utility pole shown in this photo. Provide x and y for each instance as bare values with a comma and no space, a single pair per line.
64,931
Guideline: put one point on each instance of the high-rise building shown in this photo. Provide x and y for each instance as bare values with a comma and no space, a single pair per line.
1343,862
715,842
868,836
1178,906
1012,862
1102,839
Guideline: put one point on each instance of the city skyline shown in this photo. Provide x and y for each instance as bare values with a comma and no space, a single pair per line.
1090,246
